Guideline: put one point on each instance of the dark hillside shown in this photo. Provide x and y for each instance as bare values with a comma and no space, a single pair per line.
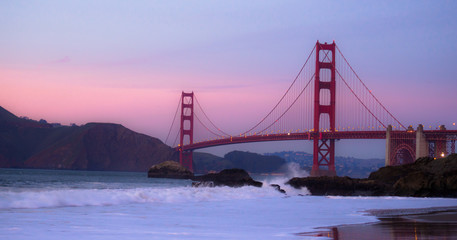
95,146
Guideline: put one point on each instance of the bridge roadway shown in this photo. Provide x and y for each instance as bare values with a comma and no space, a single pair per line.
431,135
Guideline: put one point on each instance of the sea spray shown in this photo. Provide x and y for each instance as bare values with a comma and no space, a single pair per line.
291,170
294,170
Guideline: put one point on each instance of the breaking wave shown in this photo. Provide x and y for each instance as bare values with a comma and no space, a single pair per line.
49,198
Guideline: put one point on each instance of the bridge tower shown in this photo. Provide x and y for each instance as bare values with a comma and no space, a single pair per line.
324,88
186,129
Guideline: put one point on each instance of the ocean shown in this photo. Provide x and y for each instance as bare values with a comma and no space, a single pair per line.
60,204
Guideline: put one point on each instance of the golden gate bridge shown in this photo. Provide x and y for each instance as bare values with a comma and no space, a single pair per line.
327,101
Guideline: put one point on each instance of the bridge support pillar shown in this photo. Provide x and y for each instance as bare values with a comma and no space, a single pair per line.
400,146
441,145
186,159
325,151
452,146
325,91
187,129
388,145
421,143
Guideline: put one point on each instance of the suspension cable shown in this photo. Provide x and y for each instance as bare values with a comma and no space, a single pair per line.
209,118
173,122
401,125
196,116
176,139
303,90
352,91
283,96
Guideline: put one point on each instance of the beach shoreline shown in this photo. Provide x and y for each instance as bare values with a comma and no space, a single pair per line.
414,223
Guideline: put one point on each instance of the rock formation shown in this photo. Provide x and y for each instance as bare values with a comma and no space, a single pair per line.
278,188
228,177
426,177
170,169
341,186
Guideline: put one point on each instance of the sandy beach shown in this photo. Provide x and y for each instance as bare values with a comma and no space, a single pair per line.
398,224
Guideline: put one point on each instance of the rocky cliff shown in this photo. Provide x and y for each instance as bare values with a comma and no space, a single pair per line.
426,177
95,146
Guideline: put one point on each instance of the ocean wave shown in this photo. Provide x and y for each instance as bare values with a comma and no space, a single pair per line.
49,198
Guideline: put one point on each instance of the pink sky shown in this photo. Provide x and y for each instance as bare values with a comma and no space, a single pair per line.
127,63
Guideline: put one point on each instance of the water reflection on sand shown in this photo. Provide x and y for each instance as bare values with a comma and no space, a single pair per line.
442,225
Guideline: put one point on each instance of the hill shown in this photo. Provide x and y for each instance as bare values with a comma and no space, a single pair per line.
251,162
26,143
345,166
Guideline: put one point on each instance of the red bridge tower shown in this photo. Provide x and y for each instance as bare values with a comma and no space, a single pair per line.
187,129
324,104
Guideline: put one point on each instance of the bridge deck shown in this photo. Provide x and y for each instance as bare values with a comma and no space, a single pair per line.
430,135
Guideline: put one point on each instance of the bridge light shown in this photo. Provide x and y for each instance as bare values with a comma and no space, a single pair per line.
442,154
453,124
288,134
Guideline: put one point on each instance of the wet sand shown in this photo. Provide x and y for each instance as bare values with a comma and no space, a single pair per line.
398,224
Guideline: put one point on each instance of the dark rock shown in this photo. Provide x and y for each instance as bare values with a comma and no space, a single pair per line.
389,174
278,188
413,184
424,178
343,186
229,177
169,169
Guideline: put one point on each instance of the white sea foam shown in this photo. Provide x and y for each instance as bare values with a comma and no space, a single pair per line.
132,207
109,192
107,197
